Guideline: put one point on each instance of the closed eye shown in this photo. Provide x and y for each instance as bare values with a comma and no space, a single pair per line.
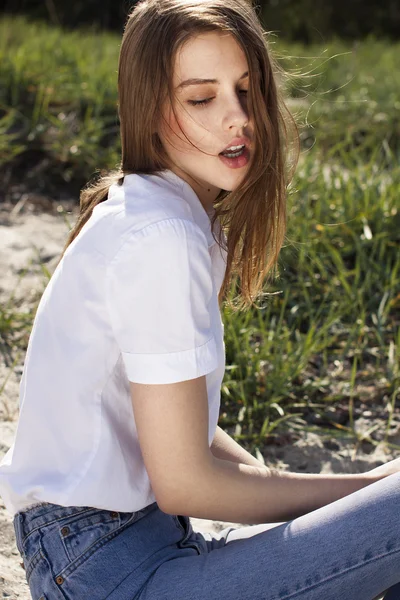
207,100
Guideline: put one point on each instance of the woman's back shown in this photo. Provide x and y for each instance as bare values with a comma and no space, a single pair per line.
76,441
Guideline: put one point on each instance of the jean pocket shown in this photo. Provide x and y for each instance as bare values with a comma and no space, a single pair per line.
84,533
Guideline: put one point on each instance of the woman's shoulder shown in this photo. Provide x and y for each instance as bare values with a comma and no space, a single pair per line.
134,213
150,208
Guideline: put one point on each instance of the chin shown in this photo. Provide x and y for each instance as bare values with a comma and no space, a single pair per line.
229,186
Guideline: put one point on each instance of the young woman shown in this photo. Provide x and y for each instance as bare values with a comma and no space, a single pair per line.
117,442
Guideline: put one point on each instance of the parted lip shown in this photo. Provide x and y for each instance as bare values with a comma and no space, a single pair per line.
237,142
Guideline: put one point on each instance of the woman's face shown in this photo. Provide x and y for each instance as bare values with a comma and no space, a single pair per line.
211,126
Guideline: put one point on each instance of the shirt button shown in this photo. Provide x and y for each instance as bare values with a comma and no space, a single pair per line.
65,530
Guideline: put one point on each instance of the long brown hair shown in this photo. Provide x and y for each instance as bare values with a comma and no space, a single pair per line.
253,216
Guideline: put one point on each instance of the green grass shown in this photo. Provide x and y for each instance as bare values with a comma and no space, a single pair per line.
327,339
335,323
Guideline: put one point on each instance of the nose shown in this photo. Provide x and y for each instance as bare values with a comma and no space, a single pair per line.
235,114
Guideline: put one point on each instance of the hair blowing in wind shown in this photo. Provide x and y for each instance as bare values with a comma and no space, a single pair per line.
253,215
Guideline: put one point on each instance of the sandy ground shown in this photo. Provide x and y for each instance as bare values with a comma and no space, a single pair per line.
32,233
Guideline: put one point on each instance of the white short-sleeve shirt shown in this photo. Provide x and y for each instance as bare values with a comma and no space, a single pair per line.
134,298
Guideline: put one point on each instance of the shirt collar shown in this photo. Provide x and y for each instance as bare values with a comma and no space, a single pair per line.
200,214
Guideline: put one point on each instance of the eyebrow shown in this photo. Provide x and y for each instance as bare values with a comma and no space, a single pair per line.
195,81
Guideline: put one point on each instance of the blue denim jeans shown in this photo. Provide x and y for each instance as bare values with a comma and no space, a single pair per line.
346,550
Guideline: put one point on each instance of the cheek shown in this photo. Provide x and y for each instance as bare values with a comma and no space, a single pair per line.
170,128
177,125
180,128
183,127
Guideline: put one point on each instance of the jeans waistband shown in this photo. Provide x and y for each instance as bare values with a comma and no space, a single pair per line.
37,516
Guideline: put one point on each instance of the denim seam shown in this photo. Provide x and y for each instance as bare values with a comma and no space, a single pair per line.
33,562
336,575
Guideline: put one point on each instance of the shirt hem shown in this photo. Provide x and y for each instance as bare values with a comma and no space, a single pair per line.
172,367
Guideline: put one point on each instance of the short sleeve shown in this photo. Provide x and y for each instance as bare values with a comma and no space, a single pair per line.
159,288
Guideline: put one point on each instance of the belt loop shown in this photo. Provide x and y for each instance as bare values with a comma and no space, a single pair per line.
18,532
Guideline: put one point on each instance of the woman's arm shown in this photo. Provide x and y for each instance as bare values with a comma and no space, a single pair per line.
225,448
